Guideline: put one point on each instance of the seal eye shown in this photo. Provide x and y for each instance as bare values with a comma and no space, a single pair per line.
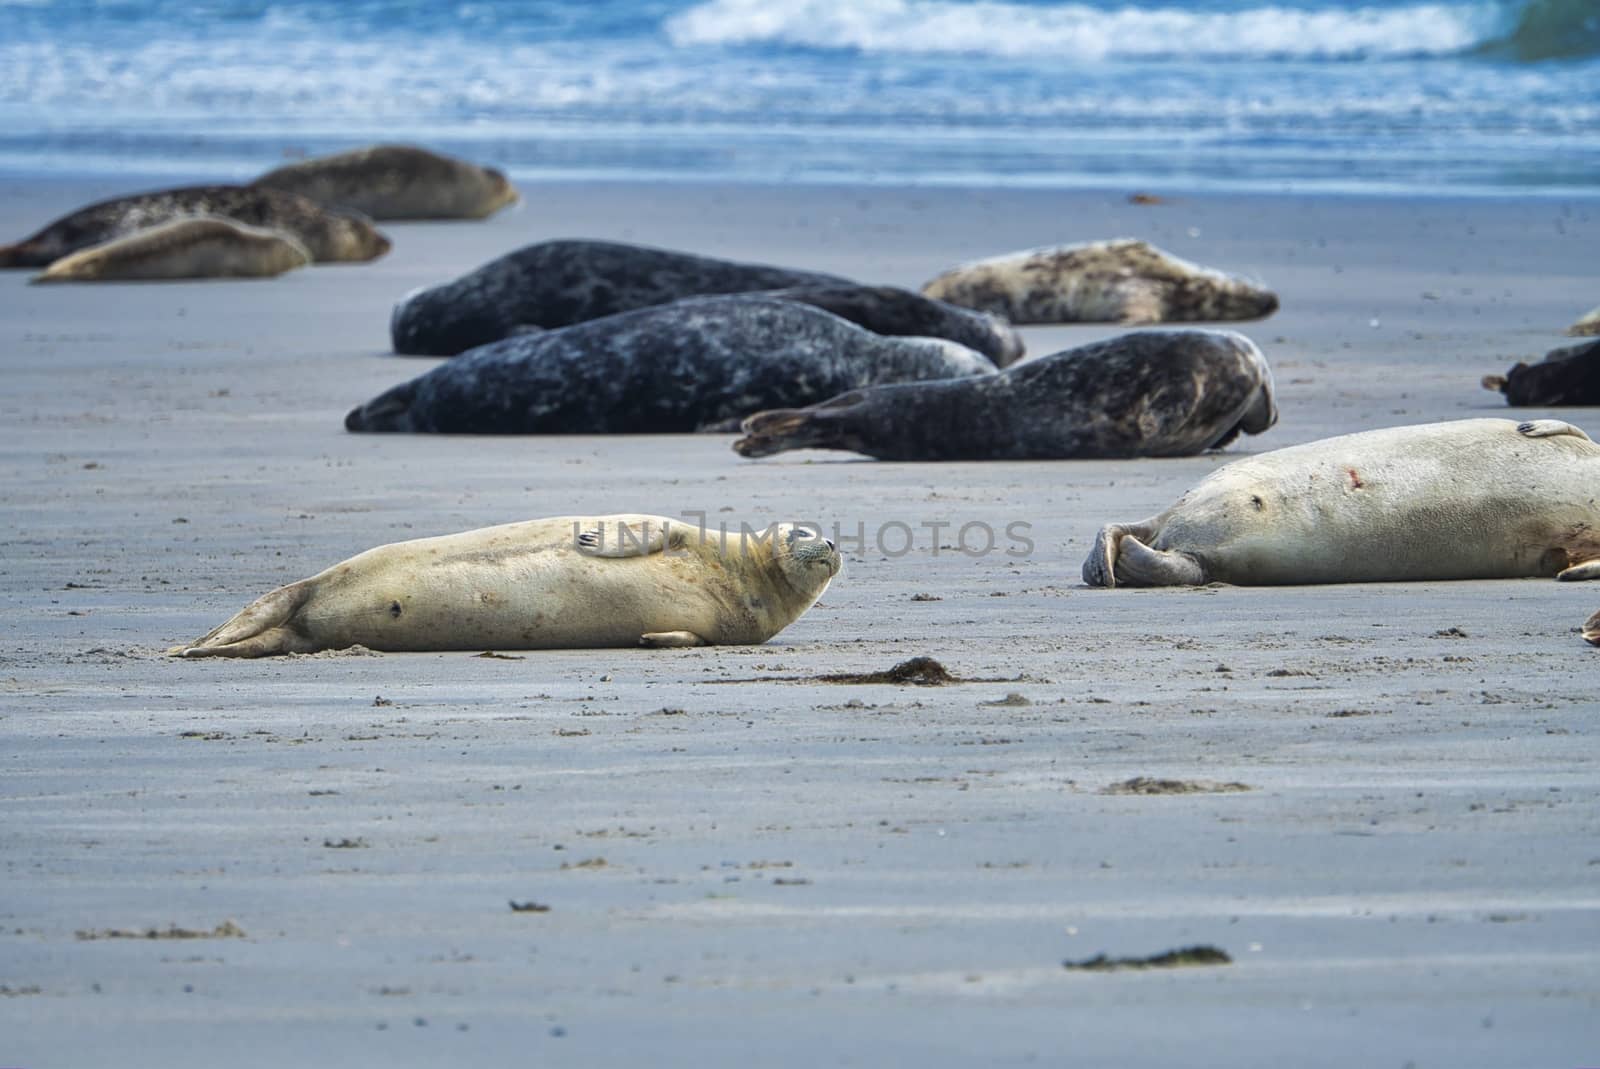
801,534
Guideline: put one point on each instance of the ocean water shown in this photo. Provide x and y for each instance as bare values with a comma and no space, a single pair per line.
1441,96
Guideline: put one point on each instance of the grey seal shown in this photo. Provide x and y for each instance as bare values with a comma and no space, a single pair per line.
1121,281
1468,499
561,283
198,247
568,582
328,234
678,367
1152,393
1569,376
396,182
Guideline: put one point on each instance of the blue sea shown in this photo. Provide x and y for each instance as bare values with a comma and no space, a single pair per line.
1447,96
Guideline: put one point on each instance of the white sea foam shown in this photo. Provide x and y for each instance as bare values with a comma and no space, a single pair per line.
1082,32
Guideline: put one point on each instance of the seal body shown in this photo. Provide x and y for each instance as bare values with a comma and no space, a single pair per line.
1569,376
678,367
329,235
565,582
1471,499
560,283
396,182
1591,630
901,313
1122,281
1153,393
198,247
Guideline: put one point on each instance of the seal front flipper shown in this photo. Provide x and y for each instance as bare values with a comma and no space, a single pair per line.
662,640
1591,630
1548,428
619,538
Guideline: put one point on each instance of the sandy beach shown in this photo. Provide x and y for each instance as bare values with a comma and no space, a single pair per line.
740,861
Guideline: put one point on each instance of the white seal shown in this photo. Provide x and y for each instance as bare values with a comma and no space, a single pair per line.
566,582
1472,499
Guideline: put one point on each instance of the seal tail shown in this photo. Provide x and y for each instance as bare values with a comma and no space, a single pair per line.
823,426
261,629
389,411
20,255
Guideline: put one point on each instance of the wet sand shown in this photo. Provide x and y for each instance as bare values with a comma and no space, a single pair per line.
739,861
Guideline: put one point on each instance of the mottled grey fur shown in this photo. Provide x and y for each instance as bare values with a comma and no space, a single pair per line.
1122,281
396,182
679,367
326,233
1154,393
560,283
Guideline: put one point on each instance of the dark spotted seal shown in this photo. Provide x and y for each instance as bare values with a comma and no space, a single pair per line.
199,247
1591,630
684,366
559,283
880,309
1153,394
1569,376
1123,281
327,234
396,182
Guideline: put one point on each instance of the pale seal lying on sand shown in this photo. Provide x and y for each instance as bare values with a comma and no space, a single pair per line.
1589,324
1569,376
396,182
678,367
328,234
559,283
564,583
1122,281
198,247
1591,630
1154,393
1472,499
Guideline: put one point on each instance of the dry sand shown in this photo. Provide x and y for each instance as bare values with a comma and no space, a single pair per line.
793,873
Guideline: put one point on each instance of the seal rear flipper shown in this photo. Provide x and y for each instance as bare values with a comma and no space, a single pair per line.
1589,569
258,630
270,643
19,255
661,640
823,426
1591,630
1119,558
